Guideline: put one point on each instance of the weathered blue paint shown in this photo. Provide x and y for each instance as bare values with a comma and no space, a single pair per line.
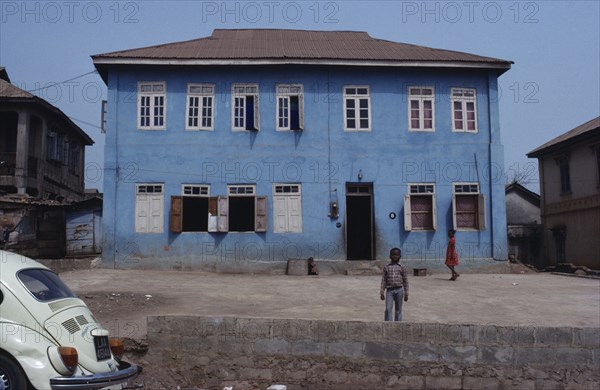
323,158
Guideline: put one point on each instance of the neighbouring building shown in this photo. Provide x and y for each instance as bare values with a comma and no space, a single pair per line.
524,224
42,154
244,149
569,167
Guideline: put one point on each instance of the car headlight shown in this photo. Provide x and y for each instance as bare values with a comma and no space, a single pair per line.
63,359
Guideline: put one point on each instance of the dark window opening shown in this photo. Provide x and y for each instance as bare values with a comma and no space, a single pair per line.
195,214
241,213
565,179
294,113
250,113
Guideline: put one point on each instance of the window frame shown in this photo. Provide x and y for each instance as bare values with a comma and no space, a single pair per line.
463,102
564,172
236,95
408,225
260,207
151,94
281,94
356,98
480,212
277,195
200,117
148,228
421,99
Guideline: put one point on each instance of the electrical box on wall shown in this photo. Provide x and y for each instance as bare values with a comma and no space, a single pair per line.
334,210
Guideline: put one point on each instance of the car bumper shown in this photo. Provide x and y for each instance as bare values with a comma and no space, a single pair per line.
126,372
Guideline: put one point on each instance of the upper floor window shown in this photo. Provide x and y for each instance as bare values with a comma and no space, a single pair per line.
419,207
290,107
152,99
468,207
246,114
200,107
421,108
565,175
464,109
357,108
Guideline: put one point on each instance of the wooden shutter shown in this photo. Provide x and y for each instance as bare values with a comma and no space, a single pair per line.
280,221
407,214
213,214
256,112
454,225
157,216
141,213
260,218
222,212
176,214
301,111
294,207
433,212
481,211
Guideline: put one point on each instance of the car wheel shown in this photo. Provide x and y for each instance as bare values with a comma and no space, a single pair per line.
11,375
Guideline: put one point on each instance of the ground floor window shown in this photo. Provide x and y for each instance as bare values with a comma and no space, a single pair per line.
287,208
468,207
419,207
149,208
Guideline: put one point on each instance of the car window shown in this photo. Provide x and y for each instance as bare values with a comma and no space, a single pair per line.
44,285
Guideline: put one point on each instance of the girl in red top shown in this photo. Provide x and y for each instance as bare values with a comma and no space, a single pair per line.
451,254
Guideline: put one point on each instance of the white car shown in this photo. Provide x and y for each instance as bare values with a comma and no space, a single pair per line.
49,339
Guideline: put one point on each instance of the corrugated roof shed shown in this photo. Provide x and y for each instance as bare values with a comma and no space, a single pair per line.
266,46
589,128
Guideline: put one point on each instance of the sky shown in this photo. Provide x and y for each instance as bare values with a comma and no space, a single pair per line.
553,86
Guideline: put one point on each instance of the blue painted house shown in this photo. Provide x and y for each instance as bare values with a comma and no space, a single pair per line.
241,150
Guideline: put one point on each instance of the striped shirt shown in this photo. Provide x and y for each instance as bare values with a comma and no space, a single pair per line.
394,275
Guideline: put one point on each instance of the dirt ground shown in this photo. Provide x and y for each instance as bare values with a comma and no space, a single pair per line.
122,299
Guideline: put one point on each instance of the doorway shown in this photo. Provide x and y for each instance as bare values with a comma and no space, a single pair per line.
359,221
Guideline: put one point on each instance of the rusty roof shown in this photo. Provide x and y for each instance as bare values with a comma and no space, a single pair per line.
267,46
589,128
13,94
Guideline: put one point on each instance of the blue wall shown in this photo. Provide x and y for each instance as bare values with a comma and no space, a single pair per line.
322,158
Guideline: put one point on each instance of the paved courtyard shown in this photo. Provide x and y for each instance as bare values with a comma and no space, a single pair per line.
121,299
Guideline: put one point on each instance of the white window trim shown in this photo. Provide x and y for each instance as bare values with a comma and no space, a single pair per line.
287,95
286,195
408,210
481,212
251,187
200,186
151,94
421,98
144,229
462,101
356,107
200,95
256,106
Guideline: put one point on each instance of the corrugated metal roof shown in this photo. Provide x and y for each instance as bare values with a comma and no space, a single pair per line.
582,130
263,44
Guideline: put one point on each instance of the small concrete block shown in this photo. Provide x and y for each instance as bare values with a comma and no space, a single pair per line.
419,271
345,349
586,337
495,355
420,352
473,383
553,336
297,267
466,354
443,382
277,387
382,351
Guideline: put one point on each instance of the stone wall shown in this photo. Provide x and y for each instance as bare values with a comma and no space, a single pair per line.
339,355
